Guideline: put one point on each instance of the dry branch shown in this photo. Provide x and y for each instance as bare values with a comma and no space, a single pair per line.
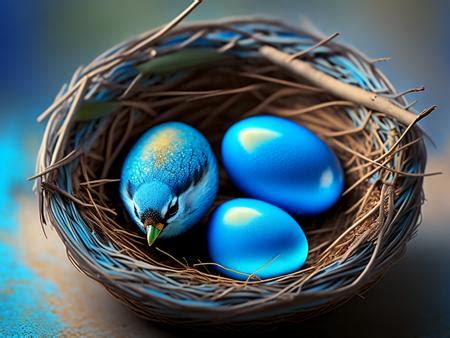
336,87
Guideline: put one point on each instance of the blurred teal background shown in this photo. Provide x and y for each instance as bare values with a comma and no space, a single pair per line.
42,43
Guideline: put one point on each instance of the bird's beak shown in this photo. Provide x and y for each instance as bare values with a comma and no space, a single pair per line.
153,231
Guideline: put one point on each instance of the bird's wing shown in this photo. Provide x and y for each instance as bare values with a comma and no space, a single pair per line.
177,157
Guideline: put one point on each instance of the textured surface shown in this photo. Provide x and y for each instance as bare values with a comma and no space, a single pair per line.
419,307
77,305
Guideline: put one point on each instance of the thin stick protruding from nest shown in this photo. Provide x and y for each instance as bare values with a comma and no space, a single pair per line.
336,87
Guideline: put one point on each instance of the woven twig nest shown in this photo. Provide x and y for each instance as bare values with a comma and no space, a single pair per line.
210,75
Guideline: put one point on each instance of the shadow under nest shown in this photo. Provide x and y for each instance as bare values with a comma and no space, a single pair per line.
350,246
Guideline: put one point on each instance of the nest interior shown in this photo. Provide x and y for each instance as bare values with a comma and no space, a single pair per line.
96,119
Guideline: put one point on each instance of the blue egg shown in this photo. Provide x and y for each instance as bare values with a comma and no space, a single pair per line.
254,237
282,162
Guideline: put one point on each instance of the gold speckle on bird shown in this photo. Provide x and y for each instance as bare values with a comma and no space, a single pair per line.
161,146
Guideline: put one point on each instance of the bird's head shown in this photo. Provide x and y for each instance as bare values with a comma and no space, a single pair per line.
155,207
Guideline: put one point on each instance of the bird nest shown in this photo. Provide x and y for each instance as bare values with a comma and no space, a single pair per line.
210,75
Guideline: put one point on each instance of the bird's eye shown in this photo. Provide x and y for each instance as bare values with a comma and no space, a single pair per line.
172,210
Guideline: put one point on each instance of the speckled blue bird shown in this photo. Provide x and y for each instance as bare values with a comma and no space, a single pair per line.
169,180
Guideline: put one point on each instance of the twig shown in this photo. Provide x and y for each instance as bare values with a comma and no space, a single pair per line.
336,87
310,49
165,29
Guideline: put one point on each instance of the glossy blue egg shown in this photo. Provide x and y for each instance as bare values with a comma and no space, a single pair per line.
281,162
254,237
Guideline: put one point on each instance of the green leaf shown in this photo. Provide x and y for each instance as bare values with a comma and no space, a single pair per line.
180,60
90,110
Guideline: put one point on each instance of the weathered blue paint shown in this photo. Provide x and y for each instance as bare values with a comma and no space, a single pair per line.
24,310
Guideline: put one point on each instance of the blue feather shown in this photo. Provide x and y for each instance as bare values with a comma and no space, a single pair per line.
170,176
